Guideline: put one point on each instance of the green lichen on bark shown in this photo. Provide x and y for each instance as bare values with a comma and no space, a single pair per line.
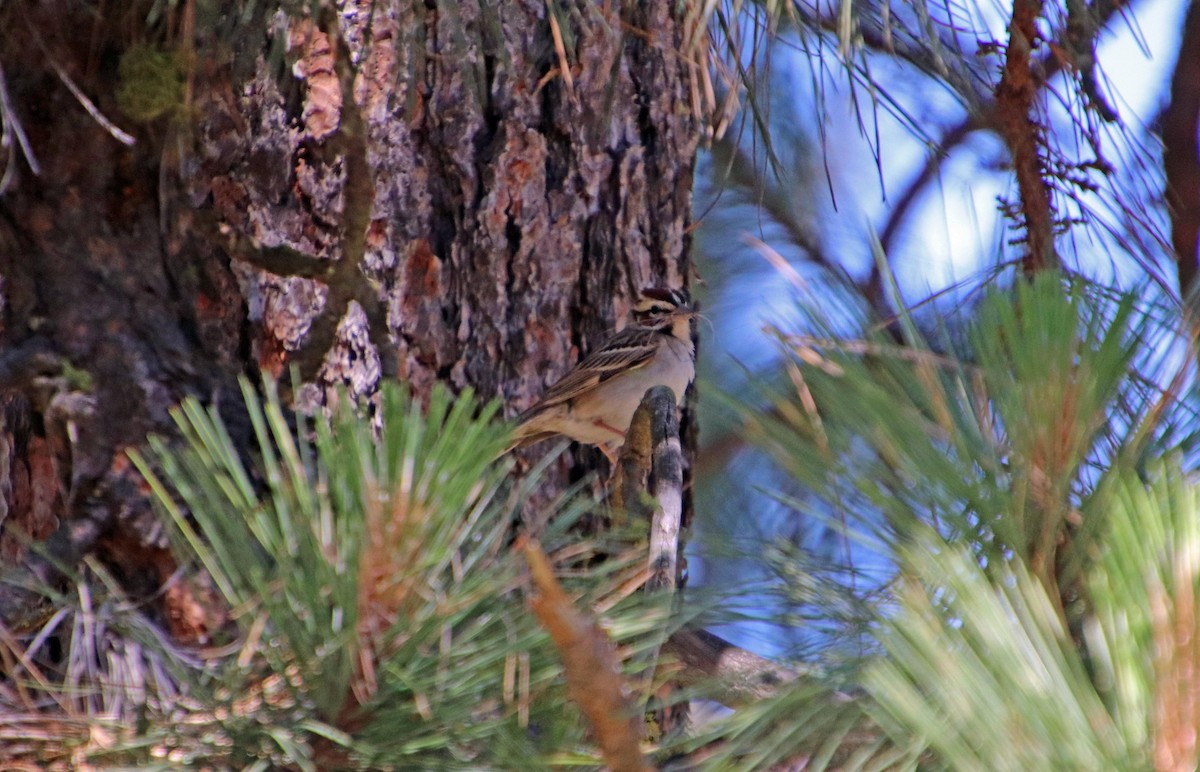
152,83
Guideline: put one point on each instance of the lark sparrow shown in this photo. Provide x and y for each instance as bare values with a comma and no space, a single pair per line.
595,401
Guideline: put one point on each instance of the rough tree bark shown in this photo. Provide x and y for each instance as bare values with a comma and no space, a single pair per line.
1181,155
524,180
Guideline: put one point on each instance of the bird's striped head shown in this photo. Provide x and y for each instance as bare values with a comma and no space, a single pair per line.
658,305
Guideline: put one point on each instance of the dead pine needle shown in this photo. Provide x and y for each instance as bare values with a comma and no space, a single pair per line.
560,50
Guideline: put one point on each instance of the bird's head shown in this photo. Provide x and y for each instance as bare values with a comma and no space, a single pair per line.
660,305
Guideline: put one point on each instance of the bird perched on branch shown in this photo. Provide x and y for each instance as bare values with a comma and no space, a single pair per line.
594,402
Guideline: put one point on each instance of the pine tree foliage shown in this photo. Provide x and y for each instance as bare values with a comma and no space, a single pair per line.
998,437
377,610
983,668
376,596
1142,638
1040,609
1021,593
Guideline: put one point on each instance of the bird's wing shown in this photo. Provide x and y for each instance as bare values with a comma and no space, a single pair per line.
629,349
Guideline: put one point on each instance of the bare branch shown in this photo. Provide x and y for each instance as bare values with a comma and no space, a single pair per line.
874,288
122,136
666,481
954,137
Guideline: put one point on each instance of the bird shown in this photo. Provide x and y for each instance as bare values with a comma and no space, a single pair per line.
594,402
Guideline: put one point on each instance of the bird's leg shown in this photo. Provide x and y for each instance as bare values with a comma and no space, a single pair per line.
619,436
617,433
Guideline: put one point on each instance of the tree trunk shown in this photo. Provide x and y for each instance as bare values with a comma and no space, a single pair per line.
477,215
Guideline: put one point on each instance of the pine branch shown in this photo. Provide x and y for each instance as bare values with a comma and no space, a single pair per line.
1021,132
650,468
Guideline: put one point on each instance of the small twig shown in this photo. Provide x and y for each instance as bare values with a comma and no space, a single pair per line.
121,136
10,130
740,169
954,137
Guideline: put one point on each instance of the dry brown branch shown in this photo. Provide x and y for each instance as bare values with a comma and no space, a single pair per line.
593,674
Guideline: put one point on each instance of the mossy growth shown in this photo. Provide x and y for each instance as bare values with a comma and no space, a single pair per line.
151,83
76,378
